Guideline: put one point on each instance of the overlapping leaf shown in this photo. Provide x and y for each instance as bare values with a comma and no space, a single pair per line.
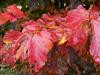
30,44
37,37
95,44
11,36
38,51
15,11
11,14
5,17
77,24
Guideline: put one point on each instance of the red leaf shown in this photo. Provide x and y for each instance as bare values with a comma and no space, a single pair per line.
47,39
11,36
11,15
2,51
5,17
95,43
10,60
77,26
38,50
15,11
21,52
40,22
76,17
8,56
45,17
30,26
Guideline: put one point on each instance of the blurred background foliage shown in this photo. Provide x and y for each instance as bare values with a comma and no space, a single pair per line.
40,3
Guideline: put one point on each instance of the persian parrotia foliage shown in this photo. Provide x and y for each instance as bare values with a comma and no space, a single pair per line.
68,29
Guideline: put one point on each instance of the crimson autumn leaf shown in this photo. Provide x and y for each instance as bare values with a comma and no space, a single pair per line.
46,17
8,51
6,55
28,23
15,11
95,43
21,52
5,17
10,60
75,17
30,26
2,52
38,47
37,52
40,21
47,38
77,29
11,36
11,14
37,44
